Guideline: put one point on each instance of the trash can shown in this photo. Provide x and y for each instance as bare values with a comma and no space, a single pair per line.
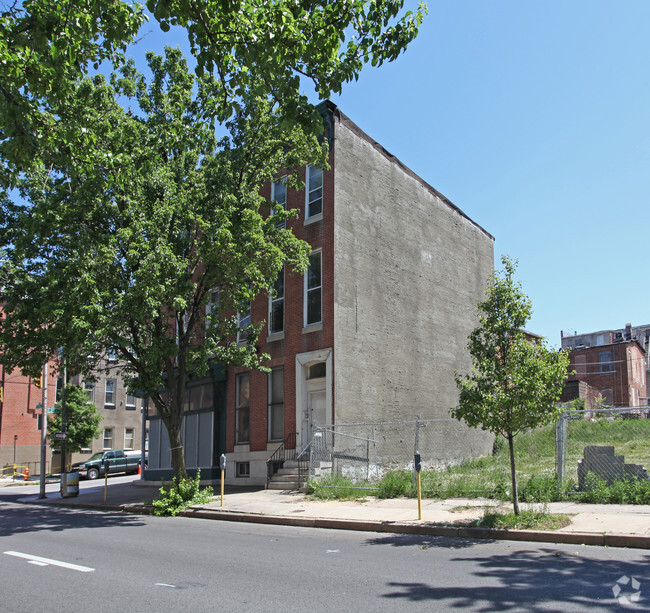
69,485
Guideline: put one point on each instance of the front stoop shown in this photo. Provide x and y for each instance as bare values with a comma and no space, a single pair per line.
287,477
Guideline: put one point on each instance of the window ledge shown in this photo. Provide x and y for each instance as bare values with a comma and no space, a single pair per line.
312,328
314,219
109,406
277,336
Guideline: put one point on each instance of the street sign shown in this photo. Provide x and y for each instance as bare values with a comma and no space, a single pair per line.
39,406
60,436
53,409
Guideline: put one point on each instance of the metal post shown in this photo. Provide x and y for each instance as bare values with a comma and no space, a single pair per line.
43,433
15,439
63,417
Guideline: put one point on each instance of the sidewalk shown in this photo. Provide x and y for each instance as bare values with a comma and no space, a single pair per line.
591,524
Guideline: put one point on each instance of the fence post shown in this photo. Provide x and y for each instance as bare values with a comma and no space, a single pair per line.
560,448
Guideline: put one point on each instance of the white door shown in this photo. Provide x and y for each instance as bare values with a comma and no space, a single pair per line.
316,412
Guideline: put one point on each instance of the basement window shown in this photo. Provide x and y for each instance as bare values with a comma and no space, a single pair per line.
242,469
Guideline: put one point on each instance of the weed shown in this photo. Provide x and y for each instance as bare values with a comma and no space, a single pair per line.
180,495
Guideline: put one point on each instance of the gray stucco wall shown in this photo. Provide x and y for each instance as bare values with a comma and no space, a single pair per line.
409,271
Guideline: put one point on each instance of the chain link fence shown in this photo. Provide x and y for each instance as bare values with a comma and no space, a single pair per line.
607,445
460,461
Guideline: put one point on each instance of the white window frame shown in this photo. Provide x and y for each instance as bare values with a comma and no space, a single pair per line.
111,392
126,431
315,288
108,436
89,388
308,194
275,300
131,402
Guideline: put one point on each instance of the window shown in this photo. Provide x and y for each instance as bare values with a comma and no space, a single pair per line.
600,339
317,371
242,469
581,364
314,192
130,402
605,361
109,396
279,195
212,306
276,305
108,438
243,321
276,404
129,437
242,404
313,290
112,355
89,388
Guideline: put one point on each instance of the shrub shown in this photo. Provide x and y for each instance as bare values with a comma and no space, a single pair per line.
180,495
336,487
395,484
543,488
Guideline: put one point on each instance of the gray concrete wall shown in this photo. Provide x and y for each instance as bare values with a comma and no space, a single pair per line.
409,271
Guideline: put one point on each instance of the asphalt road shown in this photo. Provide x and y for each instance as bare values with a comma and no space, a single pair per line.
55,558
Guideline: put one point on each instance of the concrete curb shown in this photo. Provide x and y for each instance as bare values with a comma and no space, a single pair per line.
389,527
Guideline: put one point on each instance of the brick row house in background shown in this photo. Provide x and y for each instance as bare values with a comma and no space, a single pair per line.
617,370
373,332
641,334
20,416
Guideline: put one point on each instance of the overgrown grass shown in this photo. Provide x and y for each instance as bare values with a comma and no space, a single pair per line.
535,464
530,519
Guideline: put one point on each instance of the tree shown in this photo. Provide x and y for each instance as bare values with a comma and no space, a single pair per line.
82,421
263,48
126,257
516,382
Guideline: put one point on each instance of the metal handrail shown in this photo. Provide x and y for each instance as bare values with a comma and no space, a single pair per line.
286,451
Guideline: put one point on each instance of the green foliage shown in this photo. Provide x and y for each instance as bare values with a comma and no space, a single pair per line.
543,488
246,48
395,484
82,421
528,519
336,487
633,491
181,494
516,382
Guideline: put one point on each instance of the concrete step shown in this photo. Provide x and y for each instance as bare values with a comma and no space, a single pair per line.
283,485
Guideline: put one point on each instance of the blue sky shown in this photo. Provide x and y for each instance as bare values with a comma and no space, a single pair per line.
534,119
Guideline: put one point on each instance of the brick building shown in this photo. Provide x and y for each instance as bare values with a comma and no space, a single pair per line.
615,335
616,370
20,418
373,332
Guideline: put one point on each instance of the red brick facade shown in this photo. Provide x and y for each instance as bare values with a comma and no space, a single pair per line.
617,370
296,338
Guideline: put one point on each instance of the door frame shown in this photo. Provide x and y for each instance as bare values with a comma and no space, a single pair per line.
303,362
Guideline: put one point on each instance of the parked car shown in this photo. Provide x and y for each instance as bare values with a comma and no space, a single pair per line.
116,460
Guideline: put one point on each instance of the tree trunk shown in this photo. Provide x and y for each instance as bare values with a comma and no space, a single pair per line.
515,493
178,453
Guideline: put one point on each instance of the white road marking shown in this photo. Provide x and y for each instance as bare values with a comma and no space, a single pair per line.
164,585
36,563
333,551
46,561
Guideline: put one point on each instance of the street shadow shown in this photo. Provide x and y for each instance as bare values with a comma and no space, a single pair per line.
536,581
38,518
425,541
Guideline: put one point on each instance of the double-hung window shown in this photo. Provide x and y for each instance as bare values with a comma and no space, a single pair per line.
108,438
242,408
279,195
313,192
109,395
129,438
276,305
605,361
243,321
276,404
313,290
89,388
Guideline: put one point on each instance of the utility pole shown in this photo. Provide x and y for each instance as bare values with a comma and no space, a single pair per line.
43,433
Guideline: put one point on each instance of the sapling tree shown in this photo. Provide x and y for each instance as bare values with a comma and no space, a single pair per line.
82,421
516,381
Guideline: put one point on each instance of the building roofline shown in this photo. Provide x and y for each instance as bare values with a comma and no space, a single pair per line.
342,118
